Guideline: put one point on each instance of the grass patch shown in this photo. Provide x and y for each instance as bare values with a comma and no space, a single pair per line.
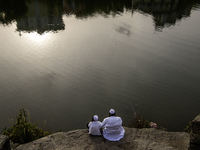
138,121
23,130
188,128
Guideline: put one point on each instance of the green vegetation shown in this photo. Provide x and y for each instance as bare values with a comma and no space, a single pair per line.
23,130
138,122
188,128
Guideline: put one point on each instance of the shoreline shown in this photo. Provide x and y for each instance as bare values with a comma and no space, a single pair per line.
136,139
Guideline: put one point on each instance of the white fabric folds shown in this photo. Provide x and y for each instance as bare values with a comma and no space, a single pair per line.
112,128
94,127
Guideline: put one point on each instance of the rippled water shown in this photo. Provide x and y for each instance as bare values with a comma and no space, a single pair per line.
75,61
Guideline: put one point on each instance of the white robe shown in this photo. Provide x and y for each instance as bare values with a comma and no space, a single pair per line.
94,127
112,128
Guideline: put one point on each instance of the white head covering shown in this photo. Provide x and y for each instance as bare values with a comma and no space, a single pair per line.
95,117
112,111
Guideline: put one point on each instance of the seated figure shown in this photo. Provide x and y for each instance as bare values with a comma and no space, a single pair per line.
112,127
94,126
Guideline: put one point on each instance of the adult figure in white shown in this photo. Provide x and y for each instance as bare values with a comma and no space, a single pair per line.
112,127
94,126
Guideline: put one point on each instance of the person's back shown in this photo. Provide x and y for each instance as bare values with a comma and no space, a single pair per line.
94,126
112,127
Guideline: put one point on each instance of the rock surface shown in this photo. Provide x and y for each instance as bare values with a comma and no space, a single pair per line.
4,143
195,134
134,139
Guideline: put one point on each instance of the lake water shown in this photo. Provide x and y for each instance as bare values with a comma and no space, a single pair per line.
67,60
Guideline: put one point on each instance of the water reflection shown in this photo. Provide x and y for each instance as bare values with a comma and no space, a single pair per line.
11,10
43,16
36,38
97,63
124,29
164,12
33,15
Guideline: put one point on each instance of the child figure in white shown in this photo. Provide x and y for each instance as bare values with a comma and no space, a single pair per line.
94,126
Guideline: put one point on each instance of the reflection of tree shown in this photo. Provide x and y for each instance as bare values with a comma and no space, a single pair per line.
42,16
168,12
46,15
89,8
11,10
33,15
165,12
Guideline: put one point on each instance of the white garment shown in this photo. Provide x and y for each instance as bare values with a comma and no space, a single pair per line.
112,128
94,127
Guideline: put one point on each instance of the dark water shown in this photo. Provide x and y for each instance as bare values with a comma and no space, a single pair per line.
67,60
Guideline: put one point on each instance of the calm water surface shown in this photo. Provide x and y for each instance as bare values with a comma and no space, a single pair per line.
65,61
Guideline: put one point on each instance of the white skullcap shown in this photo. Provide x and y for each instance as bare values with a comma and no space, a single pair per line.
112,111
95,117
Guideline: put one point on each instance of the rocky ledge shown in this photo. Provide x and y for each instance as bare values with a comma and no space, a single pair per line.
134,139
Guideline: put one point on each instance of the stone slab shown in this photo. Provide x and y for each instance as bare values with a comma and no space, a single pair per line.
4,143
134,139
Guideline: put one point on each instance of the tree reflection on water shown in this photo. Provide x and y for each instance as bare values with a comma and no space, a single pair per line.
43,16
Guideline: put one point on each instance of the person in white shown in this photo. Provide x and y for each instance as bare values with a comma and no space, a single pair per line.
112,127
94,126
